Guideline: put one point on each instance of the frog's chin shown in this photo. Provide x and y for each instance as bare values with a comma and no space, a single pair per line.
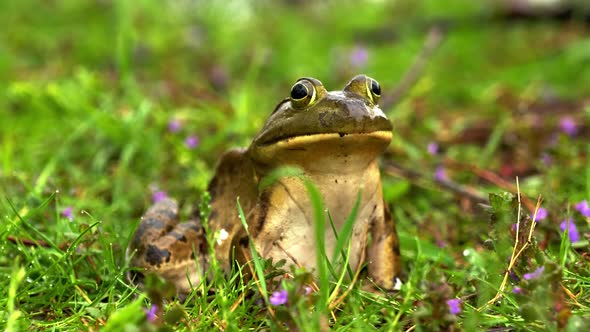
333,152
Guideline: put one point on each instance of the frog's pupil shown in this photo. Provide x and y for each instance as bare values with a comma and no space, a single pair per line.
298,91
375,88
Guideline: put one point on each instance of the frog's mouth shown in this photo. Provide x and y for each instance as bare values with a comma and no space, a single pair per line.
328,148
308,140
339,116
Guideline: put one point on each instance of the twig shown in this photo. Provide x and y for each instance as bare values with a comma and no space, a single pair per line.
411,76
573,297
515,252
459,189
492,178
238,301
28,242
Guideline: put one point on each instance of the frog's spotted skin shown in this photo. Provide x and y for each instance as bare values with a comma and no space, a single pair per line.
164,246
335,139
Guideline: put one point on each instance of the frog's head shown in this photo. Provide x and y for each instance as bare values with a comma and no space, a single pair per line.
314,125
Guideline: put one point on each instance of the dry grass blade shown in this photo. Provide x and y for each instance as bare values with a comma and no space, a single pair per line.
255,276
516,251
339,300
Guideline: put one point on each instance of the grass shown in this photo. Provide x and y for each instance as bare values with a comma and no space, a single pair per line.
88,91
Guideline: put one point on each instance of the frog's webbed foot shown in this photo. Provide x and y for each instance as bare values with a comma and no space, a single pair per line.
175,251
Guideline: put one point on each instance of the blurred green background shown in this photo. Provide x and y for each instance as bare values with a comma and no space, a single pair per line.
90,89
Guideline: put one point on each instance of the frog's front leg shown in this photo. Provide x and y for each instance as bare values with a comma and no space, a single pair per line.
384,260
175,251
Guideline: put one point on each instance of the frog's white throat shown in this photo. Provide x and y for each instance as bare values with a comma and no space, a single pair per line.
289,201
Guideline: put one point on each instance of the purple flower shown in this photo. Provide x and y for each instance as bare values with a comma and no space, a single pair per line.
440,174
151,312
454,306
534,275
278,298
192,141
432,148
583,208
67,213
174,125
572,230
307,290
158,196
568,125
359,56
547,159
541,214
516,290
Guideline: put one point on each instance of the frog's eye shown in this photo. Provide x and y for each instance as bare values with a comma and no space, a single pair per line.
302,94
299,91
373,90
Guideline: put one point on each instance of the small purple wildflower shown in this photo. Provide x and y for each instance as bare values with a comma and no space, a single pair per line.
307,290
454,306
67,213
159,195
432,148
517,290
440,174
358,56
541,214
151,312
572,230
174,125
568,125
192,141
534,275
278,298
583,208
547,159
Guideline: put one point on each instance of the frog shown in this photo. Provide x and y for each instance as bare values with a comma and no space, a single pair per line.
334,139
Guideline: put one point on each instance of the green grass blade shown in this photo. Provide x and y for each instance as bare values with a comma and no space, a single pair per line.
30,227
277,174
18,274
256,260
346,230
320,235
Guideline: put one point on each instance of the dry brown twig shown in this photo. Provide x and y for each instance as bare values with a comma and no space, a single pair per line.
515,251
417,178
492,178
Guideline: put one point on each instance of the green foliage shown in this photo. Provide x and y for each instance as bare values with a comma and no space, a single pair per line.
89,88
